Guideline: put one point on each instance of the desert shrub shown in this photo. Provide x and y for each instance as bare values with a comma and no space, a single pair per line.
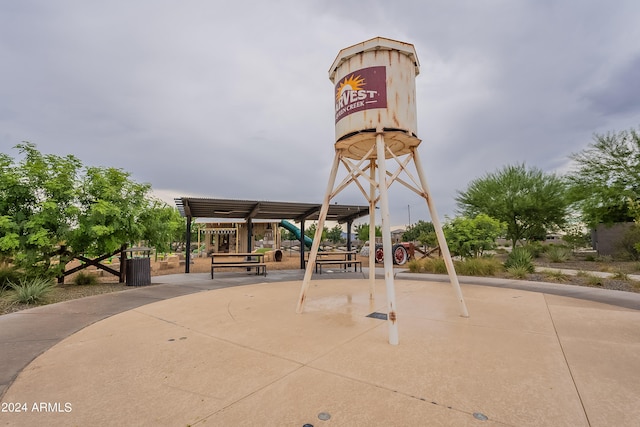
518,272
436,266
8,276
520,257
558,253
590,258
595,281
534,248
32,290
627,246
556,276
414,266
620,275
82,279
485,266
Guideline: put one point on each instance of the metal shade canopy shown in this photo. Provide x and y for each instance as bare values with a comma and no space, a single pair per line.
196,207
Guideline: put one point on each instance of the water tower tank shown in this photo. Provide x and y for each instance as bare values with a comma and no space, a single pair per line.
375,88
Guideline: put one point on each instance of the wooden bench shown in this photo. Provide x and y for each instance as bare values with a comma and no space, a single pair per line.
341,263
339,258
251,261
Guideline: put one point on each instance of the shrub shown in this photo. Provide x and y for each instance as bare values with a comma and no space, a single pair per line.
620,275
82,279
436,266
595,281
31,291
521,258
558,253
590,258
485,266
414,266
8,276
518,272
534,248
556,276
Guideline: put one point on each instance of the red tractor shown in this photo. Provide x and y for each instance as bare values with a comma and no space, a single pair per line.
402,252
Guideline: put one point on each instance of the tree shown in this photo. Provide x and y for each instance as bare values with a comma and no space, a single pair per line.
362,231
471,237
49,203
606,177
335,234
38,207
112,207
528,201
423,232
311,232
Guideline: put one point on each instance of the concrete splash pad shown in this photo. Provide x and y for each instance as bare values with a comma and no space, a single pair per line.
242,356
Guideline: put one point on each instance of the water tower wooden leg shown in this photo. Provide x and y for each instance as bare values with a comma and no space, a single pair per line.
392,316
313,255
446,255
372,230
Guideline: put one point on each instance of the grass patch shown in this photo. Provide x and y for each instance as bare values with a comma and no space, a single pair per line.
621,275
518,272
31,291
556,276
595,281
478,266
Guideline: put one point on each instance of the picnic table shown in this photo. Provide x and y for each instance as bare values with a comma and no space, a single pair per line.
247,260
343,259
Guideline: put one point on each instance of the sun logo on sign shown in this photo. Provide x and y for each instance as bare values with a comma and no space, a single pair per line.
350,83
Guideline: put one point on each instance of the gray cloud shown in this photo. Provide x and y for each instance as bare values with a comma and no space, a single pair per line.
233,99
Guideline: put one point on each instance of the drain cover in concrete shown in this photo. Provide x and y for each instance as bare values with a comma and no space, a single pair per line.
376,315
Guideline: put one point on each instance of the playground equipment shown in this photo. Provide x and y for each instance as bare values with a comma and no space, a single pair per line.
375,120
296,232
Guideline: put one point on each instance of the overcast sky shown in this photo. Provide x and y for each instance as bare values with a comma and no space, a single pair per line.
233,100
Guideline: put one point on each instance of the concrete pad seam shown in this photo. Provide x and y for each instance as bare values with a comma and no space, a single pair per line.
248,395
566,362
422,399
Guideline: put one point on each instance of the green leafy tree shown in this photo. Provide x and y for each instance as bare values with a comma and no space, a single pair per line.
423,232
471,237
606,177
163,225
335,234
38,207
51,209
112,207
311,231
362,231
528,201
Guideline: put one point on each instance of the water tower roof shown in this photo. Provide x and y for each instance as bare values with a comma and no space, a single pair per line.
376,43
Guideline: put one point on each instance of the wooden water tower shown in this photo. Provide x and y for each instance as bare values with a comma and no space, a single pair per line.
375,122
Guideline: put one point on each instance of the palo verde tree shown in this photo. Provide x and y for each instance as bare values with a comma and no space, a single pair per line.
528,201
606,177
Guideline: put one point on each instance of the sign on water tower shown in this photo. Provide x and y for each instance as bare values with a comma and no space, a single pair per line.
374,84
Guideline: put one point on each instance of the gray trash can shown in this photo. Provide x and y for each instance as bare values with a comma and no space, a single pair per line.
138,269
